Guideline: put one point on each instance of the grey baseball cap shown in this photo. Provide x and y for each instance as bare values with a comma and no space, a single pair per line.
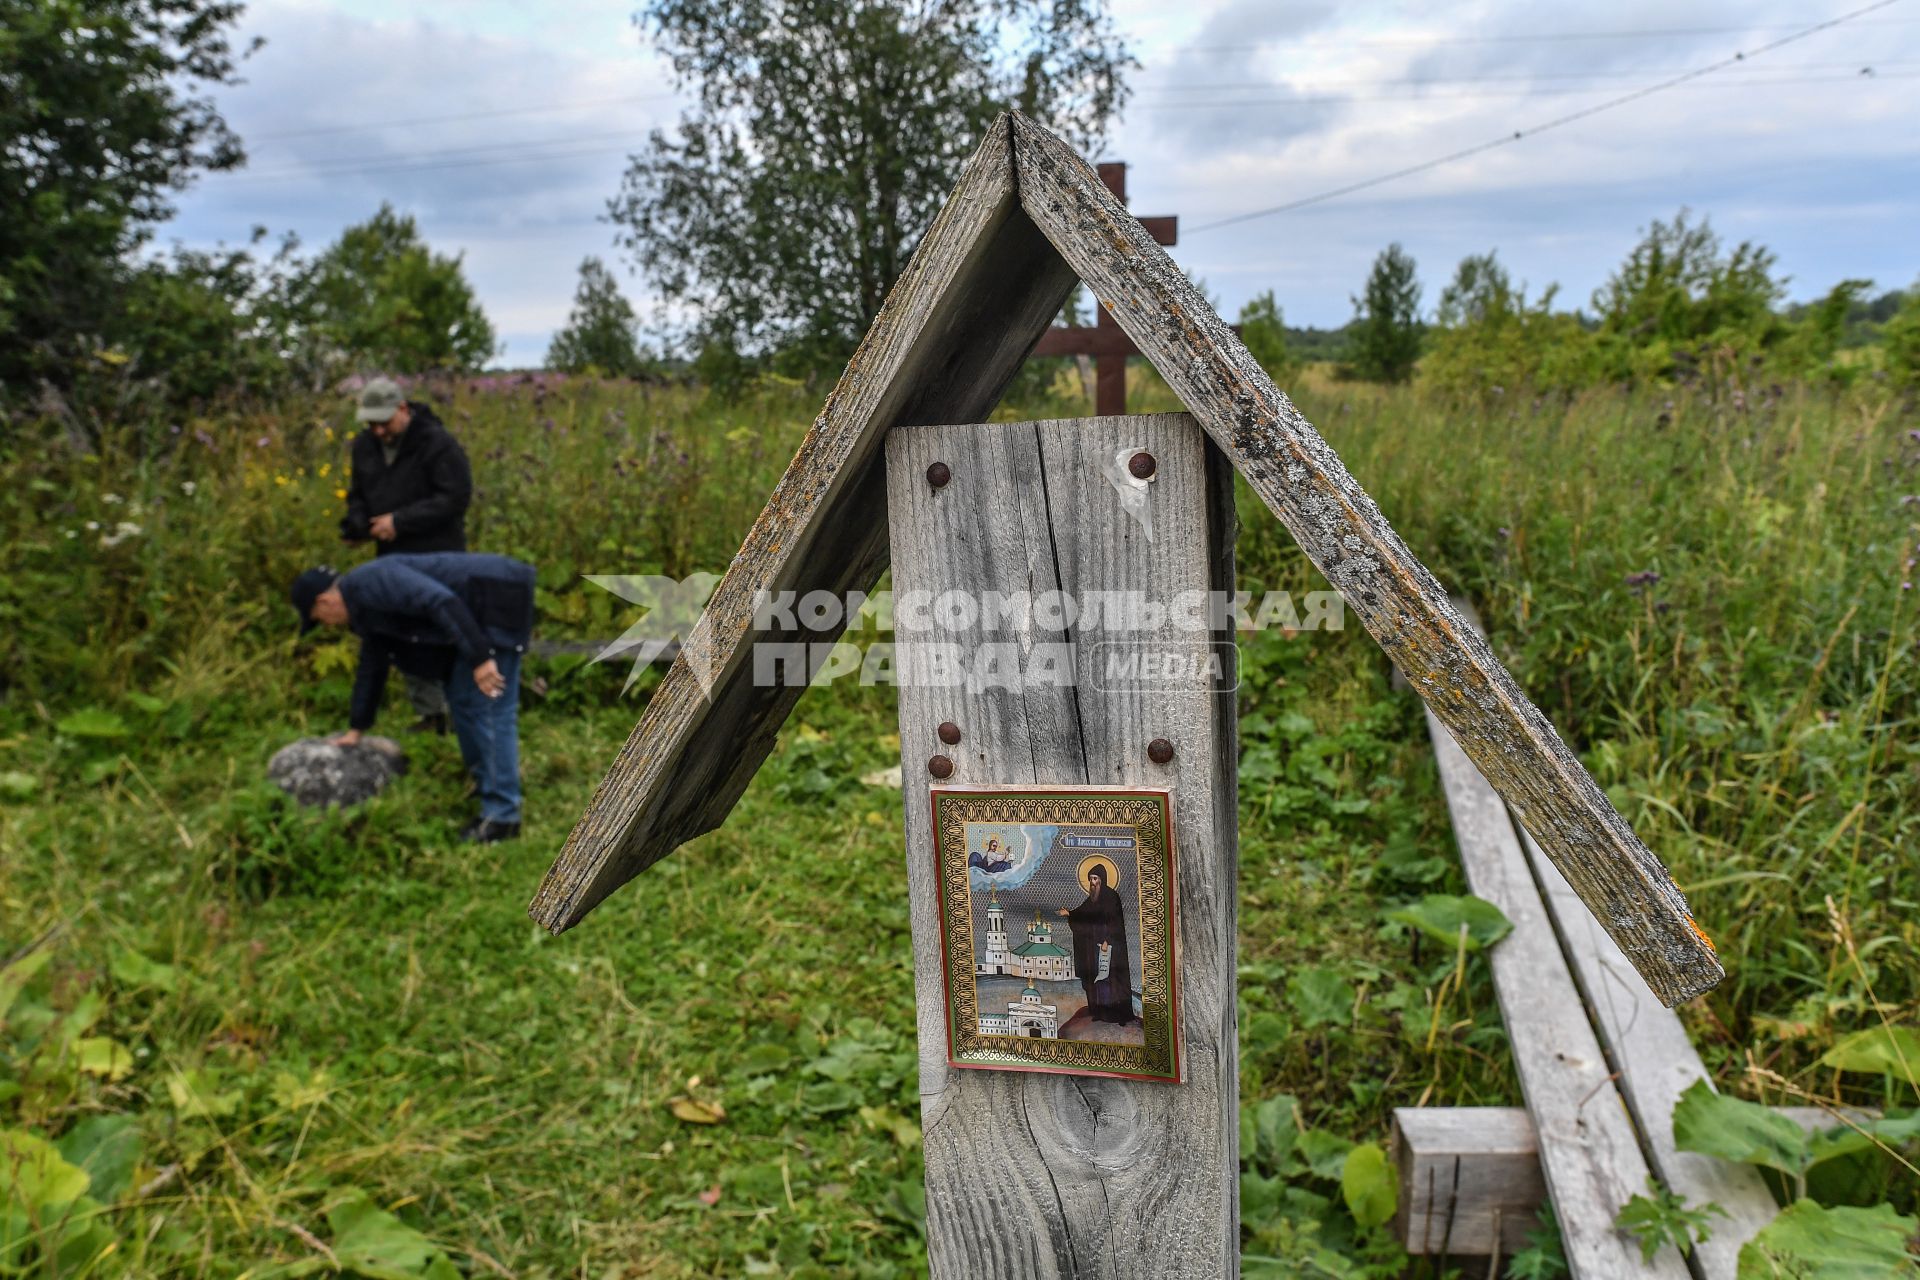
380,400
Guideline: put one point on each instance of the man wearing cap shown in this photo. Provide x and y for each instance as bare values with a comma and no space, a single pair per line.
459,619
409,493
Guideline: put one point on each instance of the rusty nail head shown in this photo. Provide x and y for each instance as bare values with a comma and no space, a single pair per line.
938,475
1142,465
940,767
1160,751
949,733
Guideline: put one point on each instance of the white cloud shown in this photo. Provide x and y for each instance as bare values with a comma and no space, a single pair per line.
1240,105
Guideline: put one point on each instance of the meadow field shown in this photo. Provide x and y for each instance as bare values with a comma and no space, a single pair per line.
282,1043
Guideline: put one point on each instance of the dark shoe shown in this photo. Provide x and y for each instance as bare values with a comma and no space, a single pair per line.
429,724
487,831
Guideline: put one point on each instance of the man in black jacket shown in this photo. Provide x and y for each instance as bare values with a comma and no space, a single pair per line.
457,619
409,493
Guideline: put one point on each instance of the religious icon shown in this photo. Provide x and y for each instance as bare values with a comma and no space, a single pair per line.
1057,918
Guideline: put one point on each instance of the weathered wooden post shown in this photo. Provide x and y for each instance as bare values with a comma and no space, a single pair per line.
1031,1173
1035,1169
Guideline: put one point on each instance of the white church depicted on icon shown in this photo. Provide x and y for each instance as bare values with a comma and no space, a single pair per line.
1026,1016
1037,959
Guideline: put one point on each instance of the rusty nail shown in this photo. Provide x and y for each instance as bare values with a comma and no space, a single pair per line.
949,733
1142,465
1160,751
940,767
938,475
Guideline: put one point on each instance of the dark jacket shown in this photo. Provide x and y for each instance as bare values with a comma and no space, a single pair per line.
426,488
438,616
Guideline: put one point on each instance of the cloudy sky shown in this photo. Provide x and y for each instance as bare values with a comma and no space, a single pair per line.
503,128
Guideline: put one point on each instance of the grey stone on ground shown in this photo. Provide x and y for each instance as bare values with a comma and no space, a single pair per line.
316,772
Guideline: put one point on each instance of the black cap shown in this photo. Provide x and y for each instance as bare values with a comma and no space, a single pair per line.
306,589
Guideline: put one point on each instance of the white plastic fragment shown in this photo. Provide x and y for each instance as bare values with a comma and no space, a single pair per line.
1131,488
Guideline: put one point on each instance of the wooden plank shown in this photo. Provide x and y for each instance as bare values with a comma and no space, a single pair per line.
1588,1151
1657,1063
1496,1152
1032,1175
980,288
1470,1182
1341,530
1650,1050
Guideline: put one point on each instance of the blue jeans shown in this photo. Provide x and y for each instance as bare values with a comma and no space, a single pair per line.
489,734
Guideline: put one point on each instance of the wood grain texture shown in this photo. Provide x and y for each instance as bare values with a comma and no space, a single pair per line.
1341,530
980,288
1493,1148
1588,1150
1657,1063
1470,1182
1030,1175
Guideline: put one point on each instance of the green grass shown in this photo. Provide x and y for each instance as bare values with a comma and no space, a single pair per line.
360,1004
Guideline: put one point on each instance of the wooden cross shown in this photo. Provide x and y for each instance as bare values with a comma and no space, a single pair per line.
1033,1175
1105,340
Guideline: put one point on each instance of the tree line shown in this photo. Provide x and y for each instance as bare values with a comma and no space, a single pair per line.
1682,306
818,141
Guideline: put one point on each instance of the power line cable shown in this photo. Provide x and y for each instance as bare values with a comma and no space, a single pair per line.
1202,104
1555,123
1540,37
1616,73
535,151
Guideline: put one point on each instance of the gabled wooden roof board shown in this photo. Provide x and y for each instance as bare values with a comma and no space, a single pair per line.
1029,218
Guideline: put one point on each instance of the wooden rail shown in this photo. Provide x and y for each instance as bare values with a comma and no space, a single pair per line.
1601,1063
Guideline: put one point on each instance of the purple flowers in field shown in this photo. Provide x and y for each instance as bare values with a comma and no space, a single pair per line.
1643,579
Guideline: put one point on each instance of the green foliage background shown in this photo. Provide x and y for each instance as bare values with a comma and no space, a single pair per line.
306,1020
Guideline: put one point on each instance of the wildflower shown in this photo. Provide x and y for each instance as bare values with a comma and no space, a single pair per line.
262,442
92,525
340,493
112,499
73,533
329,431
187,487
121,532
325,467
1645,578
205,439
280,480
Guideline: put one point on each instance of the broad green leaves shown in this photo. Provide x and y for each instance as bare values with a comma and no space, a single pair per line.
92,722
1889,1049
1444,916
1808,1242
373,1243
134,971
1368,1185
34,1175
17,975
106,1148
1321,997
1715,1124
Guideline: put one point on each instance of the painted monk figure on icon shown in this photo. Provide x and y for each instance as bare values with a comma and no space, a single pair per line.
1100,945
